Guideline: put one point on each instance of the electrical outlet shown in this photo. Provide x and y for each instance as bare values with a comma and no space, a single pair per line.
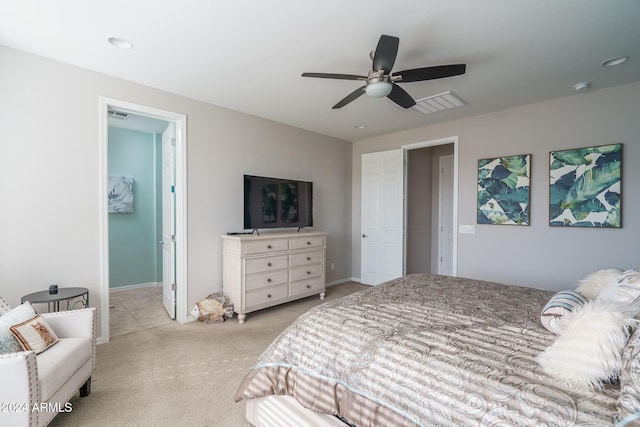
333,266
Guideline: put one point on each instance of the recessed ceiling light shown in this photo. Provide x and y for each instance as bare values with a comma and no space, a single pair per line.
360,126
614,61
120,43
582,86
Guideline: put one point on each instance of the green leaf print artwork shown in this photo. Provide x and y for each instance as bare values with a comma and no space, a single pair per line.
585,187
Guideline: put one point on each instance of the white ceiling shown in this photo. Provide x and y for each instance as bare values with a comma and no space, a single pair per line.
248,55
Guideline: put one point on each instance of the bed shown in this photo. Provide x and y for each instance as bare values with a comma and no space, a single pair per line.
421,350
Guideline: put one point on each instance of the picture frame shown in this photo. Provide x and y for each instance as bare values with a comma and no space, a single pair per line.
585,187
504,190
120,195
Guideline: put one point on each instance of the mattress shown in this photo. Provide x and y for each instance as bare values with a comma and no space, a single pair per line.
426,350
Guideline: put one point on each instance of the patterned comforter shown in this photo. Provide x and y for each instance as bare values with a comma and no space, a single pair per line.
426,350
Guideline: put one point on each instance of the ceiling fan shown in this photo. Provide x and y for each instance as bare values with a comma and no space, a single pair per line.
382,82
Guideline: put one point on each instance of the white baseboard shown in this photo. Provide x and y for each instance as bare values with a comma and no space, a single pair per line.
136,286
341,281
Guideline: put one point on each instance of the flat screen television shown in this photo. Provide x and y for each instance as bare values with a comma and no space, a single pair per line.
277,203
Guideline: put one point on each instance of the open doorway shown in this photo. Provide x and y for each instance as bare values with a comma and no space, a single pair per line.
160,195
431,207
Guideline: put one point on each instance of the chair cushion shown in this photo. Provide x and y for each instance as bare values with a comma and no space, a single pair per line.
60,362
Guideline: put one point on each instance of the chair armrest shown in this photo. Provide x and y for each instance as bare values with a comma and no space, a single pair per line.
80,323
19,389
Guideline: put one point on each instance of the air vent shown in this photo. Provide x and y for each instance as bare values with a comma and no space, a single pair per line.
118,115
440,102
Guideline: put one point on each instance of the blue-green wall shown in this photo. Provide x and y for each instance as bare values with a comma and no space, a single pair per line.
134,252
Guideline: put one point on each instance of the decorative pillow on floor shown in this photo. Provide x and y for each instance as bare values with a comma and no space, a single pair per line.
564,303
589,350
9,343
593,283
625,288
34,334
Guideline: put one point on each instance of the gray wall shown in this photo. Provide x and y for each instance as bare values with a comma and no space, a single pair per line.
535,255
49,176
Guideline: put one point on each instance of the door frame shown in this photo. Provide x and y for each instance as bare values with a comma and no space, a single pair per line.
432,143
180,121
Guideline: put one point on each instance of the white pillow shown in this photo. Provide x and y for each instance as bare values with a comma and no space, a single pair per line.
9,343
588,353
625,288
594,282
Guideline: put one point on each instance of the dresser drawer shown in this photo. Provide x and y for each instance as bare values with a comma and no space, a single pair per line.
305,272
306,242
265,296
311,286
266,246
263,280
304,258
259,265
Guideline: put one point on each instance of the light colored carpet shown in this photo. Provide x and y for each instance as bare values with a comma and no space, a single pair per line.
182,375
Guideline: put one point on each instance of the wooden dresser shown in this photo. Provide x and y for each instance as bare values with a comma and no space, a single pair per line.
271,269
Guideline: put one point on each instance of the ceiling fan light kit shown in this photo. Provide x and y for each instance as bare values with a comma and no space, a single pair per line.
378,89
381,82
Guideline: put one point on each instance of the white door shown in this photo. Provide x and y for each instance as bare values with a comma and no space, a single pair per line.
445,217
168,221
382,255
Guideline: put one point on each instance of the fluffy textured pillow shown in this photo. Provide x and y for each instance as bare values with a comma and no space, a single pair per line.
563,303
593,283
34,334
9,343
625,288
588,353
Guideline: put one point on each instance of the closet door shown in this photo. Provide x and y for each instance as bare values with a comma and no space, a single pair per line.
382,233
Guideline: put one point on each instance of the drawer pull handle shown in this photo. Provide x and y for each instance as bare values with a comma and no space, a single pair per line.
308,286
308,272
268,295
269,280
308,243
268,246
268,264
308,258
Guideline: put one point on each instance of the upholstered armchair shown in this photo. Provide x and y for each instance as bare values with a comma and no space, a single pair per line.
34,388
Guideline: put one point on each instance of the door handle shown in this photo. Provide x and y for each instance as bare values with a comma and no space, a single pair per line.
364,235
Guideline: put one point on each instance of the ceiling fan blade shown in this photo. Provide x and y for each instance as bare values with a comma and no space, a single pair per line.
430,73
401,97
385,54
351,97
334,76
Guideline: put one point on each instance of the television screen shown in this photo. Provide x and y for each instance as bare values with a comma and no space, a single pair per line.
277,203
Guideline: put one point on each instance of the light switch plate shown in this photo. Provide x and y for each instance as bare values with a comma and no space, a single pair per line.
467,229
